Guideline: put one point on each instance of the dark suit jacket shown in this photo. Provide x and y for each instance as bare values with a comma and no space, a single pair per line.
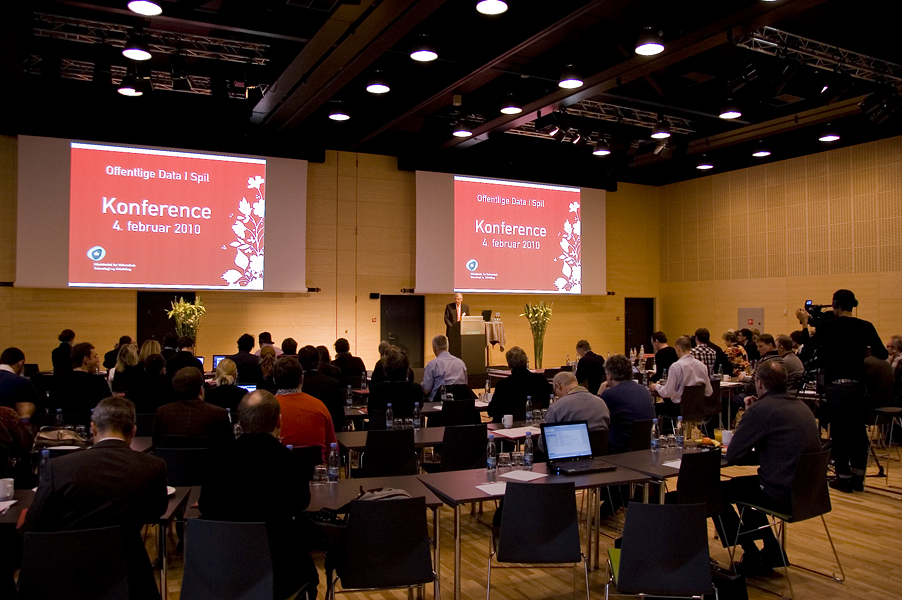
330,370
109,359
379,374
590,372
62,359
511,392
150,392
402,395
225,396
722,360
182,359
451,315
15,388
351,366
274,490
80,393
193,418
248,367
110,484
664,359
328,391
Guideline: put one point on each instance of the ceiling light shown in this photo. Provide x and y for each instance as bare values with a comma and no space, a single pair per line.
557,133
661,130
491,7
578,139
137,48
570,79
730,110
831,135
422,50
761,151
461,130
377,84
129,86
704,164
510,106
602,148
338,112
145,7
649,43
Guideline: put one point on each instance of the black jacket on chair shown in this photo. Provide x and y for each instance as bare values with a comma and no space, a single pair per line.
590,371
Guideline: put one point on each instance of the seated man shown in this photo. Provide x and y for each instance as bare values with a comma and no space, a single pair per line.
779,428
795,370
322,387
444,369
84,388
274,491
665,356
184,357
265,339
305,420
511,392
378,373
395,388
15,389
190,416
248,364
109,359
109,484
626,400
575,403
590,368
352,367
685,371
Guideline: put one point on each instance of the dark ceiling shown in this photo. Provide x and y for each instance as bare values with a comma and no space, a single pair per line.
296,58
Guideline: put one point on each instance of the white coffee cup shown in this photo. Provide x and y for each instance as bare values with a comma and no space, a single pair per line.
726,436
507,421
726,378
7,489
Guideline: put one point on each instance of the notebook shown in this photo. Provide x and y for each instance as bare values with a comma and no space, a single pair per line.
569,449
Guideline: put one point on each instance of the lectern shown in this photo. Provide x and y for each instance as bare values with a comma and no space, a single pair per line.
472,344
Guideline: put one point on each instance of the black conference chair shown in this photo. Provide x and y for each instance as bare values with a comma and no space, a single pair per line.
461,391
640,435
92,559
552,536
598,440
460,412
664,552
184,466
463,447
310,456
389,453
385,546
184,441
144,423
810,498
699,483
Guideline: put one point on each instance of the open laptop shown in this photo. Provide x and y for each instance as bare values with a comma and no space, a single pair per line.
201,359
248,387
216,360
569,449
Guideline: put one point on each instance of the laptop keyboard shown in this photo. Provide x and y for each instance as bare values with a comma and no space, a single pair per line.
587,465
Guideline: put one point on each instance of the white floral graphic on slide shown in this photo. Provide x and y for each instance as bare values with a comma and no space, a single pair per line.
571,264
248,245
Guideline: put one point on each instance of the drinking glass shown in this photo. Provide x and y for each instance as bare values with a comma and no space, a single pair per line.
504,460
81,431
320,475
516,461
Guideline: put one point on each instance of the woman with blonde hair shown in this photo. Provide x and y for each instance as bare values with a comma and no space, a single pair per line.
123,376
267,365
147,348
226,393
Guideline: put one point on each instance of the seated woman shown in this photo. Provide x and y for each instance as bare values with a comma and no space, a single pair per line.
123,377
226,392
152,388
511,392
147,348
736,354
395,389
267,364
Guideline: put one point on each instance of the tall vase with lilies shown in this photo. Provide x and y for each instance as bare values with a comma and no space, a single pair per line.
538,316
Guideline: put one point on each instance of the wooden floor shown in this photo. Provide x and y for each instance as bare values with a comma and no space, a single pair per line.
866,529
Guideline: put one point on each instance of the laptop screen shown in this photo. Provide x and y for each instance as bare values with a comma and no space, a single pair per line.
567,440
249,388
216,359
201,359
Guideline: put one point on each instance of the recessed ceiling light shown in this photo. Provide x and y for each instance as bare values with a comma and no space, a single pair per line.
570,79
377,84
510,106
704,164
661,130
129,86
145,7
602,148
761,153
137,48
338,112
422,50
649,43
491,7
830,136
730,110
461,130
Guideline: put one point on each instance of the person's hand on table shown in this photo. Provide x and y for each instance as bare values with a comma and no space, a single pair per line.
749,400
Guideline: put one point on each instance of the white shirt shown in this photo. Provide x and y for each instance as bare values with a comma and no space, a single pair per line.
444,369
7,368
686,371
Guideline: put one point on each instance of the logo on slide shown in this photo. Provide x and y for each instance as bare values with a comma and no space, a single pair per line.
96,253
472,264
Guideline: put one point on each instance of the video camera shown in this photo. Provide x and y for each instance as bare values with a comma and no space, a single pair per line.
816,313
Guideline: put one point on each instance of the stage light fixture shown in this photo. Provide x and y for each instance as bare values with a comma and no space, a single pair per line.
423,51
649,43
145,7
749,75
704,164
557,133
491,7
129,86
338,112
461,130
570,79
137,48
661,130
602,148
730,110
510,106
378,84
579,140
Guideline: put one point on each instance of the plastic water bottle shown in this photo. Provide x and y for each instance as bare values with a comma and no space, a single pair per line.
488,387
551,399
527,452
663,379
718,375
43,467
655,436
442,392
229,413
349,396
678,433
568,360
59,418
529,410
389,417
417,419
491,456
334,463
642,357
363,381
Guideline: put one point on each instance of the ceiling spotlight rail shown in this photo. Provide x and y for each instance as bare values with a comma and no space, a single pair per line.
628,116
812,53
162,42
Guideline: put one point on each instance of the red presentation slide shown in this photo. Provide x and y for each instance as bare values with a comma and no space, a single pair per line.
516,237
142,218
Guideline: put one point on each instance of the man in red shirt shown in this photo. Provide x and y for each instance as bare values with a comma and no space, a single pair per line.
305,420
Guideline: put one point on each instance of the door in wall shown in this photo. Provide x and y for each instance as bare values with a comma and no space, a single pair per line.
153,324
639,317
403,324
751,318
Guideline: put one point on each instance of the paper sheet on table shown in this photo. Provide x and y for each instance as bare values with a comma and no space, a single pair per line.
493,489
481,404
6,504
517,432
673,463
523,475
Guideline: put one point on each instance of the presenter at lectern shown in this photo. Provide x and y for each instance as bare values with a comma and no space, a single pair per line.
454,312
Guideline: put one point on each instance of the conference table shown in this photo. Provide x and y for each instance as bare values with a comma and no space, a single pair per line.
359,411
457,488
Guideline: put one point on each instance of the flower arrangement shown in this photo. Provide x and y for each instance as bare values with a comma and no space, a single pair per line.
538,317
187,316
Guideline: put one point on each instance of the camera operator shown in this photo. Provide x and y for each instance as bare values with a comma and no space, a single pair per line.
842,344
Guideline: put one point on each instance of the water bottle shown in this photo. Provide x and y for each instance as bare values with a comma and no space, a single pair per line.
349,396
551,400
527,452
229,413
363,381
529,410
718,375
59,418
655,436
663,377
389,417
488,387
491,456
678,433
334,463
568,360
417,419
43,467
642,357
443,391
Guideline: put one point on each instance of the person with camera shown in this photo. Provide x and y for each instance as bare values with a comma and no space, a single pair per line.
841,343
